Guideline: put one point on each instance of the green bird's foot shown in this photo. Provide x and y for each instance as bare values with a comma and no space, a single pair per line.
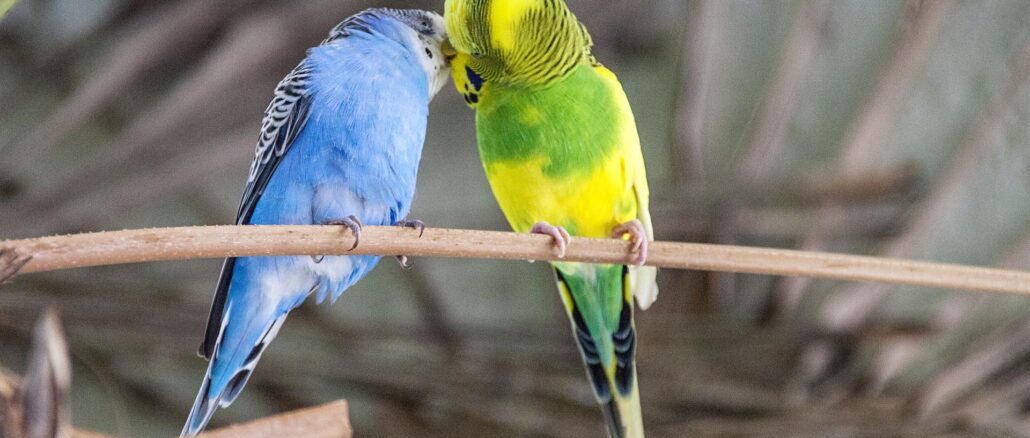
415,225
560,236
637,236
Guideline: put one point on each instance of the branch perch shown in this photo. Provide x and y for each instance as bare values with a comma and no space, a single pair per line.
330,420
150,245
10,263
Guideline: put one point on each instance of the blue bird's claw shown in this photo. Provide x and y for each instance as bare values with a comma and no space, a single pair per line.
414,224
351,222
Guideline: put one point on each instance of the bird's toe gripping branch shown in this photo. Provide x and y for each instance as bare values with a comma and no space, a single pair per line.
637,236
351,222
560,235
10,263
414,224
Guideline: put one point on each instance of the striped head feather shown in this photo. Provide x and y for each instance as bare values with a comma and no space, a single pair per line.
517,42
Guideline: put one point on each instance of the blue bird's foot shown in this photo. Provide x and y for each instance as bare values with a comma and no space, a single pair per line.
351,222
560,236
415,225
637,236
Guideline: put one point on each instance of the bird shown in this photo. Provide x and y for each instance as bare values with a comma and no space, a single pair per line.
559,145
339,144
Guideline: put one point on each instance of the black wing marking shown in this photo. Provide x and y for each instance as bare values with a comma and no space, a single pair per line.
625,342
284,119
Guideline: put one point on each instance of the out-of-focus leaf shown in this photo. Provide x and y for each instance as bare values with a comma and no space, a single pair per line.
5,5
44,391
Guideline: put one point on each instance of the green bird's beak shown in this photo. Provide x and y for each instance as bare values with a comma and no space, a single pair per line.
448,50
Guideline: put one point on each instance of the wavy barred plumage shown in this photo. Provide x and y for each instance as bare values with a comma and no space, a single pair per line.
283,118
320,157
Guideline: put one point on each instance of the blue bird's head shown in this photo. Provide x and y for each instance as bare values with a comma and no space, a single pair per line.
424,33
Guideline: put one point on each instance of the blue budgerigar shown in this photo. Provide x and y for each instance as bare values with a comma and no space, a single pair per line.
340,144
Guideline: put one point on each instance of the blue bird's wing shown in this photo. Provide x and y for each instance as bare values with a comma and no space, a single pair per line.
284,118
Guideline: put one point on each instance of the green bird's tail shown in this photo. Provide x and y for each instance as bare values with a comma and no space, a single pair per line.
599,304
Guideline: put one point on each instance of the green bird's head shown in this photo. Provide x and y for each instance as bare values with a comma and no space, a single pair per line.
514,42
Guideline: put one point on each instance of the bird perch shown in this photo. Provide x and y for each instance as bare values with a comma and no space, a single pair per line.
149,245
330,420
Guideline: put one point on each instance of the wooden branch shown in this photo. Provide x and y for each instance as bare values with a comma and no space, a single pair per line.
330,420
10,263
132,246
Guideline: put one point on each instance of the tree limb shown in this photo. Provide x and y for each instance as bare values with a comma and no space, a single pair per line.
147,245
330,420
10,263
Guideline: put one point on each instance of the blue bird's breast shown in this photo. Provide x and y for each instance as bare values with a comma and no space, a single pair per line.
358,153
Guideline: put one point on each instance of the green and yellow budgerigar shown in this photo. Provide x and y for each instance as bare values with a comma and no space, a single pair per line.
561,151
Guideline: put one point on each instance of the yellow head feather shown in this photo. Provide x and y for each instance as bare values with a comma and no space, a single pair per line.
504,21
513,41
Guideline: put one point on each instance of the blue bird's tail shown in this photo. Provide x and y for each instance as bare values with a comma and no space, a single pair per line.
236,353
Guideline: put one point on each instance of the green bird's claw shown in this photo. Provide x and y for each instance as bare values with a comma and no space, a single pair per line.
560,235
637,237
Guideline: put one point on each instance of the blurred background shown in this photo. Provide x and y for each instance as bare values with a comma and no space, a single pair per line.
895,128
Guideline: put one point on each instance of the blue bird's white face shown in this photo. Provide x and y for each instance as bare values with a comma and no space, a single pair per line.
427,41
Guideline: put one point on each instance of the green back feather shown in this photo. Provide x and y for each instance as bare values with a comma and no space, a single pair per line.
575,123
